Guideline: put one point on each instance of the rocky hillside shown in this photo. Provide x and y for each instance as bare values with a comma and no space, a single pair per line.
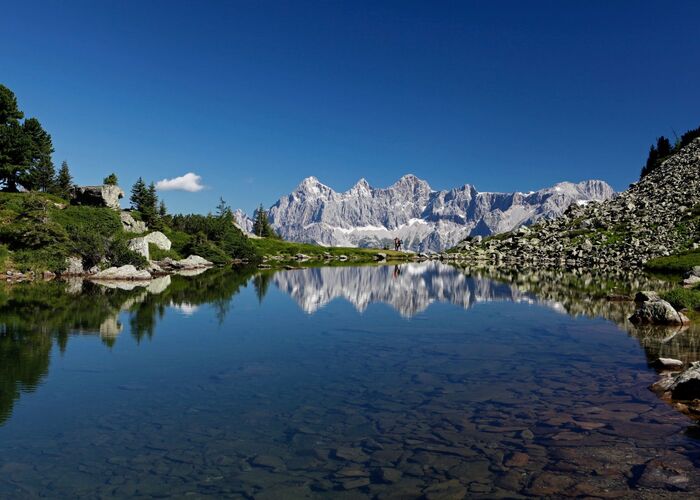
657,216
410,209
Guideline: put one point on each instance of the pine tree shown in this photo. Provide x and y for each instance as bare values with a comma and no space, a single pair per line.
14,143
41,172
223,210
162,210
139,193
663,147
261,224
64,181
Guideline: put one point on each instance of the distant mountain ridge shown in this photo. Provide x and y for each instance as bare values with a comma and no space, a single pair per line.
425,219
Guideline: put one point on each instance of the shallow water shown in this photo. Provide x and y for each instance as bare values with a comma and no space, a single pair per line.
421,380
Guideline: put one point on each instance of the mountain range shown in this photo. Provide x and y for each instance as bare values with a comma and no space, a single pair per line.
423,218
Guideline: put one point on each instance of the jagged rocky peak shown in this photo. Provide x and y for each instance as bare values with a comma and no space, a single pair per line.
411,210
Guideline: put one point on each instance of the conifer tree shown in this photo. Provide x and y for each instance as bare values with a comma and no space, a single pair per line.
261,224
64,181
40,173
139,193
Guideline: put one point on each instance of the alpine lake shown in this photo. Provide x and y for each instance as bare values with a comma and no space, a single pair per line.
416,380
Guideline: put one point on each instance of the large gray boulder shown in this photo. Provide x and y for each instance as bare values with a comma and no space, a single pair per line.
127,272
140,246
191,262
159,240
97,196
655,311
683,386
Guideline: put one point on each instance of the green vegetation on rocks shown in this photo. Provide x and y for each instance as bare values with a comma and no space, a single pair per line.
674,264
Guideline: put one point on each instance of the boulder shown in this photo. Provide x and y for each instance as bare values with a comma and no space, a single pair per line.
380,256
684,386
127,272
132,225
140,246
658,312
158,239
667,364
301,256
191,262
691,281
97,196
74,266
646,296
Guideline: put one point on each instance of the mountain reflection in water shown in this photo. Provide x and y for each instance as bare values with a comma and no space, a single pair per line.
480,401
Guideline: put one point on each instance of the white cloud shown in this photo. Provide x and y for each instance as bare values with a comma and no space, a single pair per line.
190,182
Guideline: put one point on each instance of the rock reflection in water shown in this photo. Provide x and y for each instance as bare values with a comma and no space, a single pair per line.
502,396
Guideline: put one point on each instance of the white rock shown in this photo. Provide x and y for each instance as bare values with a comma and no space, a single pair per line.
140,246
158,239
127,272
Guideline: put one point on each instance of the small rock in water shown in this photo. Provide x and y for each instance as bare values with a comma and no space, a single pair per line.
667,364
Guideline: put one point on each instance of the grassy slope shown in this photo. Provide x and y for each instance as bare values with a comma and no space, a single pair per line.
38,231
674,264
287,250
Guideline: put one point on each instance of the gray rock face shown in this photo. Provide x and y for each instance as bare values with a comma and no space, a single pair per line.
97,196
411,210
243,222
650,219
132,225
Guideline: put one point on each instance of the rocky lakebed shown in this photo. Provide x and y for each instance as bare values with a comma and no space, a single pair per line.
418,380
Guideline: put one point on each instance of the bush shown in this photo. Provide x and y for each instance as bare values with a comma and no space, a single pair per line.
157,253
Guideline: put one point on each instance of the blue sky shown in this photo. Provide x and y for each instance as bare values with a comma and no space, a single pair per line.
254,96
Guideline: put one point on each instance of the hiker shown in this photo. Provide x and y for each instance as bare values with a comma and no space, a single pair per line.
396,244
398,248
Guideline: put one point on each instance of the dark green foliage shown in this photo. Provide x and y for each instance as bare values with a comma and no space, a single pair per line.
138,194
683,298
144,199
25,148
41,172
261,224
64,182
663,149
111,180
216,236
